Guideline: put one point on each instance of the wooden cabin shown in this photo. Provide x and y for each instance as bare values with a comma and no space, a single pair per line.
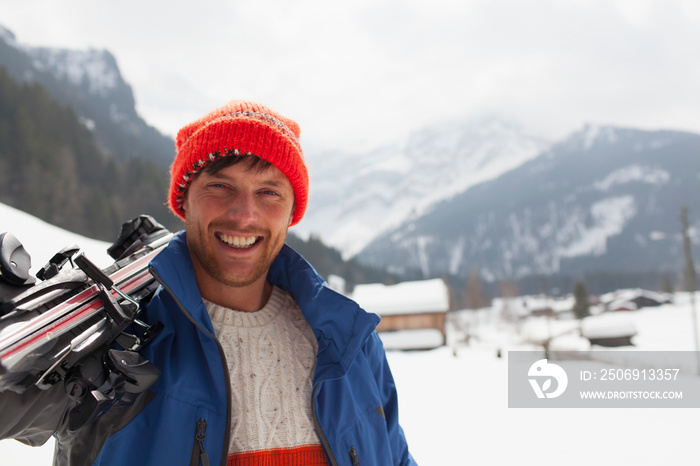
407,306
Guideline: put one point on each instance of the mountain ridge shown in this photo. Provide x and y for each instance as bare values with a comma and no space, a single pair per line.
604,198
90,82
356,197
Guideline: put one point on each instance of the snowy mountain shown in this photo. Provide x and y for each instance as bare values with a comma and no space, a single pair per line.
355,197
89,81
604,199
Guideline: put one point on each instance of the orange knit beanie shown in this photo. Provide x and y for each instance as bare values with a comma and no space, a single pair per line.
239,128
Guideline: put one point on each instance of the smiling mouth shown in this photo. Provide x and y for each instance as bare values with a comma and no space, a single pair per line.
239,242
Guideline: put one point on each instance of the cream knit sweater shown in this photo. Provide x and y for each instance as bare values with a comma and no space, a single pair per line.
271,356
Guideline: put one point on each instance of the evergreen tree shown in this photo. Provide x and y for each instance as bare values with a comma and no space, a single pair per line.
475,298
581,302
327,260
667,284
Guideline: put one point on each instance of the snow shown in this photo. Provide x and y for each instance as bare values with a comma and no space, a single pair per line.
42,240
88,123
403,298
630,294
610,215
454,412
594,133
590,136
78,66
7,36
457,255
523,305
427,338
631,173
454,399
608,325
422,245
389,186
539,245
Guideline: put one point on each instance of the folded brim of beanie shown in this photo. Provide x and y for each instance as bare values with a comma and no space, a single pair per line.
240,128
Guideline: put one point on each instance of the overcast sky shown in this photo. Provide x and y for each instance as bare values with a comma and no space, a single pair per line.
361,73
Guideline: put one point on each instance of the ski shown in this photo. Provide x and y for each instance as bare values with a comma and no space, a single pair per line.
22,339
51,330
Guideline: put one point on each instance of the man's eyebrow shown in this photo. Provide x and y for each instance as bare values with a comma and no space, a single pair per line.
270,181
275,183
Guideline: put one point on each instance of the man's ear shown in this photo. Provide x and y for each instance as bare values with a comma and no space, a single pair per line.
291,216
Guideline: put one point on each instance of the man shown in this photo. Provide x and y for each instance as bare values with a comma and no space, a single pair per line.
261,363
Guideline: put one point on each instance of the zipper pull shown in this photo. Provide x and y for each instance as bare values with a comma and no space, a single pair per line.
200,436
353,457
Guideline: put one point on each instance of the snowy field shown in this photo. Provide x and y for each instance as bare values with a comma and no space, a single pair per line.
454,409
454,399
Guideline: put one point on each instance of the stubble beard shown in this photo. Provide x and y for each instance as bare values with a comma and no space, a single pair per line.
205,255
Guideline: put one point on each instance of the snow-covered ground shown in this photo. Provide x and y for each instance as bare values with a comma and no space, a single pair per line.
454,400
42,240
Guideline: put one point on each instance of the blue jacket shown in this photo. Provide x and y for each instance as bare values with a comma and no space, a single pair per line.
354,398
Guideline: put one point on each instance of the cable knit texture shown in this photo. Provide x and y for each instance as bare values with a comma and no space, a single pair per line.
271,356
239,128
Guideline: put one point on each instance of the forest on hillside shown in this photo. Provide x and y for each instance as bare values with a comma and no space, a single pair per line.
51,167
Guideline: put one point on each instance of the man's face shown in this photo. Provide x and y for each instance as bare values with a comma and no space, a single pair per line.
237,221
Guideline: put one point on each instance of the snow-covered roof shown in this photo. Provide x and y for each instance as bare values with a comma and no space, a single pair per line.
414,297
524,305
630,294
621,304
608,325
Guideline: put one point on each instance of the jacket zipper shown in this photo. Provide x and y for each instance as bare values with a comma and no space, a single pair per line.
199,454
319,430
353,457
227,432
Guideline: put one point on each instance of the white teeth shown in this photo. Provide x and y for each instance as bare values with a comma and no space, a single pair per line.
238,241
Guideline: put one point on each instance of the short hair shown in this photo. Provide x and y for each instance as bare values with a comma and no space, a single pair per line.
253,162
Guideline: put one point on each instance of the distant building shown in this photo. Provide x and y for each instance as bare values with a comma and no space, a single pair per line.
631,300
535,306
414,306
610,329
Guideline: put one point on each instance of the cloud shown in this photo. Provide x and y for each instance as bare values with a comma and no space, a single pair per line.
359,74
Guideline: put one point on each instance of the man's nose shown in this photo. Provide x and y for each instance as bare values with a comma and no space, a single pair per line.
243,209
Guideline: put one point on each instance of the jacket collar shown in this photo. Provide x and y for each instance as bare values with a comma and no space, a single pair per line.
339,324
174,268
